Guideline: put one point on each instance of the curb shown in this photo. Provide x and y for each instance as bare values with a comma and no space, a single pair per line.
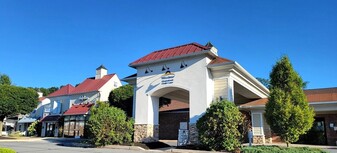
20,140
189,151
125,147
156,150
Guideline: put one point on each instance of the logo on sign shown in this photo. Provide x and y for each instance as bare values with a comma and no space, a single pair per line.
167,78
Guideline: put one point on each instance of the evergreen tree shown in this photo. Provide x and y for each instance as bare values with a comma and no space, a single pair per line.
5,80
287,112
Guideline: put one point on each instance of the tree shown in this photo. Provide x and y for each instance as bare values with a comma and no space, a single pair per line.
287,112
45,91
16,100
264,81
109,125
219,126
5,80
122,98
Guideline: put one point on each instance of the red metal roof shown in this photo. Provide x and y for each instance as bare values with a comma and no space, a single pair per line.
78,109
65,90
171,52
92,84
88,85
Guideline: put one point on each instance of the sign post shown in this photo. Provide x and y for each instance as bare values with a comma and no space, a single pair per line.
183,134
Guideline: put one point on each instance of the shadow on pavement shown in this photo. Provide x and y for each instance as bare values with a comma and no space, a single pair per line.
70,142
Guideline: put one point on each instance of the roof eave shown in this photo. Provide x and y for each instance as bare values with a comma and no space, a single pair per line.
129,79
220,64
264,88
255,106
208,51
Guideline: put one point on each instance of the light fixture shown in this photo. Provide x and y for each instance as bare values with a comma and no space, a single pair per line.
164,68
147,70
183,64
332,125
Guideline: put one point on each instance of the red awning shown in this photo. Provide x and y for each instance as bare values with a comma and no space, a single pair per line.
51,118
78,109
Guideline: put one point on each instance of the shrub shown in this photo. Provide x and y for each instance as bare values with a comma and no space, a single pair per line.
109,125
218,128
7,150
273,149
32,129
15,134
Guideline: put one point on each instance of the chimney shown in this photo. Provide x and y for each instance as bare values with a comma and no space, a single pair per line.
40,94
101,71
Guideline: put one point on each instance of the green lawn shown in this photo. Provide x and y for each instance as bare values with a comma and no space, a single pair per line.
277,149
6,150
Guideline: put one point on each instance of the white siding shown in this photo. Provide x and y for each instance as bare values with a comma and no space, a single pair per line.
220,88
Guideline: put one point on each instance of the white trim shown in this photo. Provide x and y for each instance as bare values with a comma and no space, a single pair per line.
323,102
256,106
261,124
310,103
243,74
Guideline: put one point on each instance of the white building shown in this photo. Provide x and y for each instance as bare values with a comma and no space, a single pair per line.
42,110
190,73
195,75
66,100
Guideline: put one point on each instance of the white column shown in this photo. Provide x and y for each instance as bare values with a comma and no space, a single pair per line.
56,132
154,110
43,129
230,89
134,101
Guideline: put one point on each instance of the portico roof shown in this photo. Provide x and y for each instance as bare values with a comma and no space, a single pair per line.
219,60
78,109
27,120
51,118
170,53
314,96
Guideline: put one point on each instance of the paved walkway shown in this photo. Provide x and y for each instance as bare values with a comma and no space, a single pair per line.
332,149
24,145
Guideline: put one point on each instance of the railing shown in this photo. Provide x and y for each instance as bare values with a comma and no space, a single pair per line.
91,99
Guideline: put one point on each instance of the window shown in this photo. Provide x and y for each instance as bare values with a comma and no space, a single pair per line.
47,108
257,123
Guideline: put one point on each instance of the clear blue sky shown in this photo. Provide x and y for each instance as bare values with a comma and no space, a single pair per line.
52,43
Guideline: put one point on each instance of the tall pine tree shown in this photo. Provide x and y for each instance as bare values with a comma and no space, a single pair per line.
287,112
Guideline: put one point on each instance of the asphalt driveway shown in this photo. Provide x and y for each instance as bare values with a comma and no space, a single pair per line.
57,146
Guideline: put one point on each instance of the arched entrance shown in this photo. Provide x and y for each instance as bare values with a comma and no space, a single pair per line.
173,113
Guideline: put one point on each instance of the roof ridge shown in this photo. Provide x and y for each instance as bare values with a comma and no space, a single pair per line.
170,52
192,43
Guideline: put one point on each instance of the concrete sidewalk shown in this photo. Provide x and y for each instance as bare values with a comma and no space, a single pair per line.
293,145
9,139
